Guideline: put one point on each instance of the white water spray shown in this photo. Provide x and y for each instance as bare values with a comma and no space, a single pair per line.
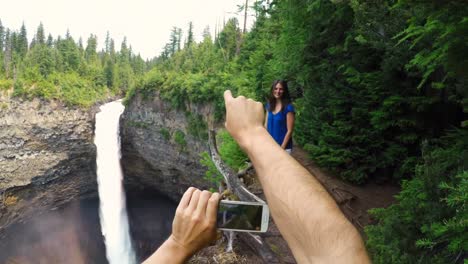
113,212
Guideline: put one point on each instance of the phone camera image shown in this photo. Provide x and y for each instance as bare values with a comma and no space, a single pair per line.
239,217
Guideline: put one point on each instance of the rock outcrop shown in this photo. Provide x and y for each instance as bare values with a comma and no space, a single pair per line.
161,146
47,157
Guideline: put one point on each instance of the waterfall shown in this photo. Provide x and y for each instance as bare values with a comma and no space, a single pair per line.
113,212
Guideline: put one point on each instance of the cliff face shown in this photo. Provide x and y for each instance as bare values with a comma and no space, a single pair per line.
47,157
161,146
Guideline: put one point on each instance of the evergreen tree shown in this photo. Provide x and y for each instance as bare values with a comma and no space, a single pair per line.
206,33
109,71
179,38
174,41
124,51
69,57
50,41
190,38
40,35
8,56
22,42
2,37
90,51
229,39
107,42
81,47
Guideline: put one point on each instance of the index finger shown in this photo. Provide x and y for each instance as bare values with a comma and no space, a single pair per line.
184,202
227,95
212,207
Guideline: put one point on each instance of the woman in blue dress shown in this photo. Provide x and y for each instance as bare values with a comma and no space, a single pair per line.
279,119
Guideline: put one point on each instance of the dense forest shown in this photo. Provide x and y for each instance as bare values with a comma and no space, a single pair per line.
65,69
380,89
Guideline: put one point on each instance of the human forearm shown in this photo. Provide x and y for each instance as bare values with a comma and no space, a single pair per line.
169,252
306,215
299,204
193,228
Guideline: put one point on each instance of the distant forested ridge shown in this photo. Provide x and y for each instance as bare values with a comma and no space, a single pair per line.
380,89
65,69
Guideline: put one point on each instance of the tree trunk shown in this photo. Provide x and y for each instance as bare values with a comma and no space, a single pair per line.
235,185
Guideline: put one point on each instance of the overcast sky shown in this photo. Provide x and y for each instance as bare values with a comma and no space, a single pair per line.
145,23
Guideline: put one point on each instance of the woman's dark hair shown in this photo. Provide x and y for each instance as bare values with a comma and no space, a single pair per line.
285,99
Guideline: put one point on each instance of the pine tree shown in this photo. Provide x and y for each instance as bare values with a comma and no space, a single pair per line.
90,51
124,51
179,38
107,42
109,71
81,47
190,39
173,41
50,41
229,39
69,57
112,50
206,33
2,37
40,35
22,42
8,56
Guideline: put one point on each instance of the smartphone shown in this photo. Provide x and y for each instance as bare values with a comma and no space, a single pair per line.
243,216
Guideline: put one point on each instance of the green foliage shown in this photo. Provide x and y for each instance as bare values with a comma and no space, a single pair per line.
212,174
4,105
179,138
165,133
65,70
367,107
373,81
230,151
195,74
6,84
197,127
429,222
438,32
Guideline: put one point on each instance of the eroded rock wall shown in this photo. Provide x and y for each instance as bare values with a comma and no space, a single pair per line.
47,157
153,153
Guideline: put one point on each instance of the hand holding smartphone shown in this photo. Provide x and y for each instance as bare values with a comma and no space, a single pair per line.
243,216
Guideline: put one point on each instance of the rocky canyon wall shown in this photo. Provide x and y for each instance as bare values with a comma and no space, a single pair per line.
161,145
47,157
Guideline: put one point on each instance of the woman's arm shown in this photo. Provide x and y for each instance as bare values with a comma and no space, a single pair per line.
290,126
266,119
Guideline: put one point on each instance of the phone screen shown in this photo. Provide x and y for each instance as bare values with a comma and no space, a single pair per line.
239,216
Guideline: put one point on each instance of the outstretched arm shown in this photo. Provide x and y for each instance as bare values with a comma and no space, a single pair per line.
308,218
193,228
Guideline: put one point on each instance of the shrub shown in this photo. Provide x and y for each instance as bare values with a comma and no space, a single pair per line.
429,222
230,151
197,127
212,174
179,138
6,84
165,133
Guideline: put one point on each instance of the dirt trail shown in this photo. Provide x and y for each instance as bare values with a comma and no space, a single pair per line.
353,200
